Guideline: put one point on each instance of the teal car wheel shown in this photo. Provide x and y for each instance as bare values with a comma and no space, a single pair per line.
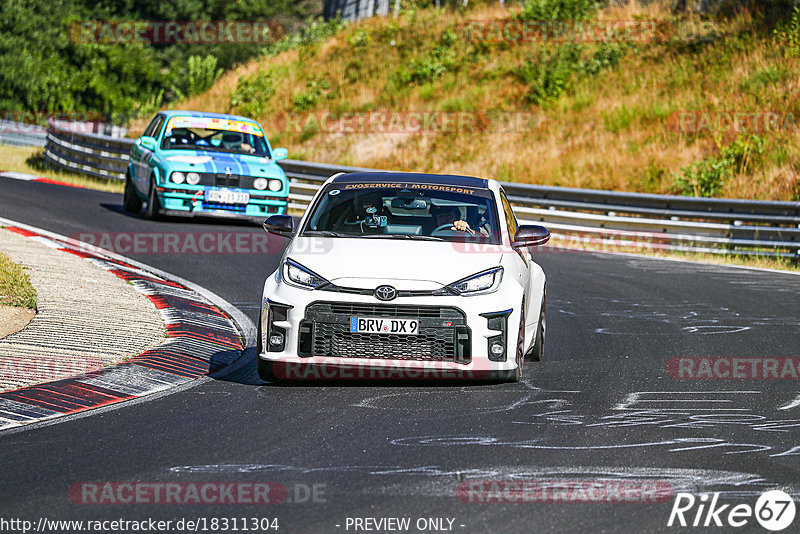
153,205
131,202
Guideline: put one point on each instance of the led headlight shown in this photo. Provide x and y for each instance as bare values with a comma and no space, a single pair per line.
275,185
260,183
178,177
192,178
296,274
482,282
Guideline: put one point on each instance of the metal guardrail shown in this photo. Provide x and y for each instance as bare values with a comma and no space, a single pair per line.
20,134
616,219
101,156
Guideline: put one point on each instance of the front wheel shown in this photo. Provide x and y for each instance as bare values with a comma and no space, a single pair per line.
131,202
153,205
537,353
520,352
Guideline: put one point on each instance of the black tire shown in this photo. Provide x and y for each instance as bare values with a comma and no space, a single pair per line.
131,202
153,211
519,354
265,371
537,353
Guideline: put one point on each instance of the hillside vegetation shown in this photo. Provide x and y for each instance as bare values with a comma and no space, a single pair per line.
50,64
601,113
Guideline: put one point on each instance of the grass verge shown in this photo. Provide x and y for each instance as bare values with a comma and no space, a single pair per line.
30,160
15,286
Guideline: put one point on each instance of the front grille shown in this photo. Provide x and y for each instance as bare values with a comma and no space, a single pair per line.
436,341
227,180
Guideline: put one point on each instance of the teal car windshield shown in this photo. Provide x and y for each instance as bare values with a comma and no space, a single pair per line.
197,138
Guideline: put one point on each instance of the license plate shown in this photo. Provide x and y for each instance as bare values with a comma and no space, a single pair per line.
227,196
384,325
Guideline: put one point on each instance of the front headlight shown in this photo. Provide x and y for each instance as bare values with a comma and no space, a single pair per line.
192,178
275,185
178,177
482,282
260,183
296,274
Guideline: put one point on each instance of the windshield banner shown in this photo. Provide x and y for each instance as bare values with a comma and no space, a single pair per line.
213,123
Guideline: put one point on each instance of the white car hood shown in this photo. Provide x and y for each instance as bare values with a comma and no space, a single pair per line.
374,260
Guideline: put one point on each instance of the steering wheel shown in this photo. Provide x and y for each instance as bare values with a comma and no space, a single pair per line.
448,226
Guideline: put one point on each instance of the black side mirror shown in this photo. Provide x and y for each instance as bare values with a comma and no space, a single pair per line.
282,225
530,235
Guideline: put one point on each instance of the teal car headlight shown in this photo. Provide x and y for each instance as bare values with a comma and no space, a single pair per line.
192,178
260,183
178,177
482,282
275,185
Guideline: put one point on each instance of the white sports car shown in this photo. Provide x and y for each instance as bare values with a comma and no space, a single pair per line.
399,275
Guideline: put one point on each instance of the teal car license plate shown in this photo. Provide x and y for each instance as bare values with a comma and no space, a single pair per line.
227,196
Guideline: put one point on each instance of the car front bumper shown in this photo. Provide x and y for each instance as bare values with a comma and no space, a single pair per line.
189,203
291,312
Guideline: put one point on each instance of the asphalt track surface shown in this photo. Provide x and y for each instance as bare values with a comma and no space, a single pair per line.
600,407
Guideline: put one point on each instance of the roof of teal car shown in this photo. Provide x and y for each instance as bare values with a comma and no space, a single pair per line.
172,112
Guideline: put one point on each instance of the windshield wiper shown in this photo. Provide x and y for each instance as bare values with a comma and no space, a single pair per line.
406,236
326,233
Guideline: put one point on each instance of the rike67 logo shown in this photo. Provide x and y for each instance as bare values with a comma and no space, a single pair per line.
774,510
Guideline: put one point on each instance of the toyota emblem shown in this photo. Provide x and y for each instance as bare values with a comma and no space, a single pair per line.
385,293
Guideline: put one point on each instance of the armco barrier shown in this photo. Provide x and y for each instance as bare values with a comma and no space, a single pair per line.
715,225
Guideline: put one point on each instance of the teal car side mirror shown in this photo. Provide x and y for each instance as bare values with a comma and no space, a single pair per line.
147,142
280,153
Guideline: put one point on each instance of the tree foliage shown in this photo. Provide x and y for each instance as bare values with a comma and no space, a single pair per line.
45,69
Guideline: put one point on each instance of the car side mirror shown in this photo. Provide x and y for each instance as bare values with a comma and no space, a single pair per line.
530,235
282,225
147,142
280,153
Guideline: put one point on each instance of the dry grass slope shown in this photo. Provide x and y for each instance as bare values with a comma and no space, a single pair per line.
604,117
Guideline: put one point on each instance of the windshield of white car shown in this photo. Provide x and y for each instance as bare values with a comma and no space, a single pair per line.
411,211
215,141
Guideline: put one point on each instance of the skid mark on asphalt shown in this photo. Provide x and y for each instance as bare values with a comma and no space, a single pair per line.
442,481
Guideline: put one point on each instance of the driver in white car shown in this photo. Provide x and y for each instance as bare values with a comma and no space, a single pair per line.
451,214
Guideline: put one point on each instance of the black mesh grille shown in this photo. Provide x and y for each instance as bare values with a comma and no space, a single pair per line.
332,337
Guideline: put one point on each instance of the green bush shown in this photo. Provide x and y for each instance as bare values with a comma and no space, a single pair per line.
789,33
431,65
309,98
557,10
252,93
550,73
203,73
706,178
359,38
